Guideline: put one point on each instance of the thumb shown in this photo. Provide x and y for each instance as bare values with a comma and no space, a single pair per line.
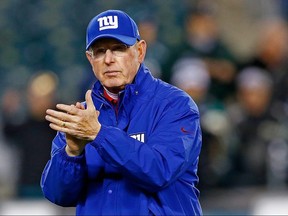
89,101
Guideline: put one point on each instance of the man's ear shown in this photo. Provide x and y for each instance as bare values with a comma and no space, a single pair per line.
141,46
89,56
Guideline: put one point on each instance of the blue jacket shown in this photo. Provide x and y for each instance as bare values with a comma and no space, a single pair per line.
143,161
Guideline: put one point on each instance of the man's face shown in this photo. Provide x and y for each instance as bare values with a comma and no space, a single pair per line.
115,64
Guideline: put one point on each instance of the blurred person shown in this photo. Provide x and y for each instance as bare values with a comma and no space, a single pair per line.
203,41
271,55
132,147
271,51
12,114
158,53
13,111
192,76
30,134
8,167
255,125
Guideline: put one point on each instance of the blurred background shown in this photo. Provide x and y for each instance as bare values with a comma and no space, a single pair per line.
229,55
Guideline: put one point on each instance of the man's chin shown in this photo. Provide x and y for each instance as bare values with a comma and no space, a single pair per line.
114,88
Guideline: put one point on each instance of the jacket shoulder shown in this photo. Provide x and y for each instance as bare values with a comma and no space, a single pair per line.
174,96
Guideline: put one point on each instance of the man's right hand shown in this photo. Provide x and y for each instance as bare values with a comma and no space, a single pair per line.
74,145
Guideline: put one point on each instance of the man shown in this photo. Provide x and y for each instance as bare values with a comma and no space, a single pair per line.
133,147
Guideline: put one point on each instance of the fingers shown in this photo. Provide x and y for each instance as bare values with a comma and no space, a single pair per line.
58,127
74,109
80,106
54,120
59,123
66,113
61,116
89,101
71,109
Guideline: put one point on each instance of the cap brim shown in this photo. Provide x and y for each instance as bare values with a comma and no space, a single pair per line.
124,39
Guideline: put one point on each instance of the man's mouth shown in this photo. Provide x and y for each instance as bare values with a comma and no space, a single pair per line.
111,73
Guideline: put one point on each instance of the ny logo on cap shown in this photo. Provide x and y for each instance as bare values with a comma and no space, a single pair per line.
108,22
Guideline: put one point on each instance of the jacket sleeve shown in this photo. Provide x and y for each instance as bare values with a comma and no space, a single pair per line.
63,177
172,148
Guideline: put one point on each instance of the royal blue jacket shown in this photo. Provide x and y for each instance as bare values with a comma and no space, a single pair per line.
142,162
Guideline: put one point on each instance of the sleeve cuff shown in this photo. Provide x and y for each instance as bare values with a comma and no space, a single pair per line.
100,137
77,159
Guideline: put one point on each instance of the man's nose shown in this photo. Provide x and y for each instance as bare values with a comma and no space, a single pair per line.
109,56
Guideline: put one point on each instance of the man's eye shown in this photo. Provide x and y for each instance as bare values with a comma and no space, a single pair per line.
100,51
119,48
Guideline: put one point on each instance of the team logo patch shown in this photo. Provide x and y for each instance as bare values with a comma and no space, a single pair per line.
108,22
140,137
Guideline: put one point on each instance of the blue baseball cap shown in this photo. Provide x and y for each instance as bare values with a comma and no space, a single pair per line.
112,24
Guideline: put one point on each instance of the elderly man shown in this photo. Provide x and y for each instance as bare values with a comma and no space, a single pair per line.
132,148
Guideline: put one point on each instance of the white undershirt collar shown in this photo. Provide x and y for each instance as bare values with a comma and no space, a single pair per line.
112,95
